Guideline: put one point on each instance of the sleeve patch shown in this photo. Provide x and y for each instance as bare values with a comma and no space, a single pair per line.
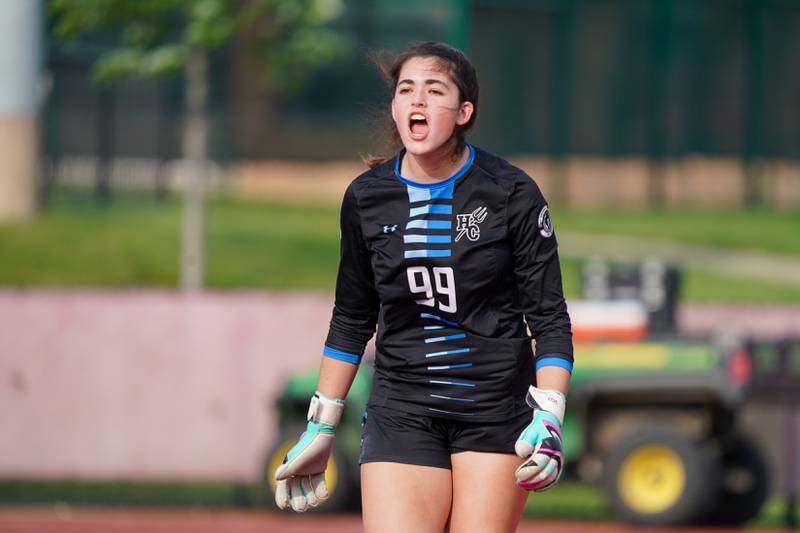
545,223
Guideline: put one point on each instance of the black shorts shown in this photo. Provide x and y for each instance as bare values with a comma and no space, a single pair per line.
388,435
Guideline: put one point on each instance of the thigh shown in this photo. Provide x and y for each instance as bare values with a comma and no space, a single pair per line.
398,498
486,498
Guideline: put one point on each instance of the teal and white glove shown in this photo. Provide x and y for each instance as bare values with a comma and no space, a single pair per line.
540,443
301,477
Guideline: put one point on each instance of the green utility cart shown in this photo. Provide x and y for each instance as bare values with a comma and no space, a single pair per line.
655,422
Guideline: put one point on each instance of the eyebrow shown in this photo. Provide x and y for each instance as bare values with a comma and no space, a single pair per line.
429,81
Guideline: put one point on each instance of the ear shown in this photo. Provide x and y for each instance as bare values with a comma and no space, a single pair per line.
394,113
465,111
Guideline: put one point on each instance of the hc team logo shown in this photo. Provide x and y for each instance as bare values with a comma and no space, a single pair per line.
467,224
545,223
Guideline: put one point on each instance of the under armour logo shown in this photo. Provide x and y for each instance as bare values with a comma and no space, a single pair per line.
389,229
467,224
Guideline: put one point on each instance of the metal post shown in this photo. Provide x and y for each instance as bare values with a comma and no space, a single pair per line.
562,76
754,111
161,153
786,366
791,466
104,135
660,45
459,30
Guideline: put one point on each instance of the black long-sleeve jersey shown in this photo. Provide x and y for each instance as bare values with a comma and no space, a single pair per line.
450,272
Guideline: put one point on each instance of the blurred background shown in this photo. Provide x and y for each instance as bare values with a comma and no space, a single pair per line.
171,178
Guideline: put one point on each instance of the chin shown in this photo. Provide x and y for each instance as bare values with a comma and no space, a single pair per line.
424,147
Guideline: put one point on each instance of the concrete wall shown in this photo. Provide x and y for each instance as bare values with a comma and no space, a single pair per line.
147,384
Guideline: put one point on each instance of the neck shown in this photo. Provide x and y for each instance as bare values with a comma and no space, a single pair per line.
433,167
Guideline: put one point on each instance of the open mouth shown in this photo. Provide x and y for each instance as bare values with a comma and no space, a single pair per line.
418,125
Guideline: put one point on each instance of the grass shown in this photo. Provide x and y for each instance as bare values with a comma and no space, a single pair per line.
756,230
133,243
129,494
272,245
283,246
570,500
711,287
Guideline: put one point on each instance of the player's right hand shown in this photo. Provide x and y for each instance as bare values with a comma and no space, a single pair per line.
301,477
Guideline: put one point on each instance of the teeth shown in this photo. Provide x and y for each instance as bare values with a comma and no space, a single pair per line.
417,116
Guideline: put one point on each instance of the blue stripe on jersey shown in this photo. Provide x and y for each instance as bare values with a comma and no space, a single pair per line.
429,224
448,352
433,209
416,194
451,398
448,367
411,254
440,319
450,412
449,181
435,239
554,361
442,193
446,338
341,356
433,327
457,383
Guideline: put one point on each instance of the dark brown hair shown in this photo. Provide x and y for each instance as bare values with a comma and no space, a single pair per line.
454,63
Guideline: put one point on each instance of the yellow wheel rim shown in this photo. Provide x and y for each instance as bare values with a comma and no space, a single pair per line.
276,459
652,479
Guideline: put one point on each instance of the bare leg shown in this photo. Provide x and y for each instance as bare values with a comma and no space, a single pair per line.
400,498
486,498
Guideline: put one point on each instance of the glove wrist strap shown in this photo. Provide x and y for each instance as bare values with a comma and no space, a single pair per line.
552,401
325,410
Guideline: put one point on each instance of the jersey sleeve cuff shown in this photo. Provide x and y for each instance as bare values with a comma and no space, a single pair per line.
333,353
554,361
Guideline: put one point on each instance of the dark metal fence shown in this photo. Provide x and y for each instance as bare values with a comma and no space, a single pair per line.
660,78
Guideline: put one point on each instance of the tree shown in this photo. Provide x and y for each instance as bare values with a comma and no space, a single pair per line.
170,37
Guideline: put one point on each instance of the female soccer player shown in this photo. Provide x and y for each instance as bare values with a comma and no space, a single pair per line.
451,252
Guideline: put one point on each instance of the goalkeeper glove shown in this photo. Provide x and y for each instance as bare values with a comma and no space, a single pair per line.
540,443
301,477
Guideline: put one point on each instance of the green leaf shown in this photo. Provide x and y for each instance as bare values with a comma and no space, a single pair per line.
164,60
118,63
290,36
324,11
142,34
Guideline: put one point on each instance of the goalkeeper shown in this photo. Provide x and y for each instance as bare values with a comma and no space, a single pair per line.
451,252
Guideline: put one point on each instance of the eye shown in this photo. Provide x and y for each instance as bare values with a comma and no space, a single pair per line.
403,90
436,92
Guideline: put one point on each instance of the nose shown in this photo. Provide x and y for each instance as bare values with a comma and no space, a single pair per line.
419,99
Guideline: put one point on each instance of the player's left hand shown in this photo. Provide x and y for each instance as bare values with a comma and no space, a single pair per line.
540,443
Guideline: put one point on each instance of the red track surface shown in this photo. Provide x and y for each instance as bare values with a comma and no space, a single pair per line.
67,520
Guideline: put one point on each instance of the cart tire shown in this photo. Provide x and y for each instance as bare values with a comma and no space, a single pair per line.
745,483
660,476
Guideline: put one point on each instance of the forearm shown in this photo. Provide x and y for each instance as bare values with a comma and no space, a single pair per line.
553,378
335,377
